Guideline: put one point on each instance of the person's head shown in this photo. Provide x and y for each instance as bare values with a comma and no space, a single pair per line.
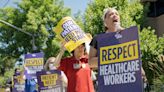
50,64
111,19
79,51
17,70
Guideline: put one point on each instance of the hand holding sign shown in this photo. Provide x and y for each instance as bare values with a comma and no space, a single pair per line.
67,30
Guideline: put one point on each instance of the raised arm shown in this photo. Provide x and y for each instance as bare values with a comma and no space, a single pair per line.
59,56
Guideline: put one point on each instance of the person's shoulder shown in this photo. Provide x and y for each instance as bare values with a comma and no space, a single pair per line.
67,58
97,35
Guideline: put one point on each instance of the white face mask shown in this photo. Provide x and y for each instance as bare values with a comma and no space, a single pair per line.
52,67
145,85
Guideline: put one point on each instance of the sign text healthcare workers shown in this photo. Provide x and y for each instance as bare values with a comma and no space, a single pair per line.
119,62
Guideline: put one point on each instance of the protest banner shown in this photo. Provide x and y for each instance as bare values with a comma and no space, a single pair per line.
67,30
50,81
19,83
119,63
33,62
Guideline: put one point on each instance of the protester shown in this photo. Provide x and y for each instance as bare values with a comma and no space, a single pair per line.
50,65
111,21
9,83
30,84
77,70
17,78
17,72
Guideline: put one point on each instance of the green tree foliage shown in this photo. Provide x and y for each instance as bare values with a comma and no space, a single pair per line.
6,63
6,77
158,84
38,17
152,48
6,68
132,12
78,18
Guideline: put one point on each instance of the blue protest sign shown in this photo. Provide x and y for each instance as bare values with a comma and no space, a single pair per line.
119,63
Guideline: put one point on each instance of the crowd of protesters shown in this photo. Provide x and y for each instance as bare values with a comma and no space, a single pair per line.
76,70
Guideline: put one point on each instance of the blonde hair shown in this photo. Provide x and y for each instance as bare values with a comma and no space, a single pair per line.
47,62
107,10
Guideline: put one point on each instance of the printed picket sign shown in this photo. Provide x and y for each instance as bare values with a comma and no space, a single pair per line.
33,63
18,83
67,30
119,61
50,81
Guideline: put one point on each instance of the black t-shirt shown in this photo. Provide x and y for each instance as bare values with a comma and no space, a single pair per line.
93,43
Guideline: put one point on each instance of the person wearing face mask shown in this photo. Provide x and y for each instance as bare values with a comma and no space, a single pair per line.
50,65
77,70
10,81
111,21
18,79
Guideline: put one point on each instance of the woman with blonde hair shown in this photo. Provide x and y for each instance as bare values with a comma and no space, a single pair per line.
111,19
50,65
